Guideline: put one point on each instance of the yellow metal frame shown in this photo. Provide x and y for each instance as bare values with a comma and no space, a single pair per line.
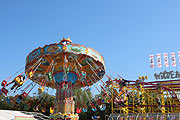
148,99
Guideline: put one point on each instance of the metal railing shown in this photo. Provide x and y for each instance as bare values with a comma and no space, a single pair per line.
146,116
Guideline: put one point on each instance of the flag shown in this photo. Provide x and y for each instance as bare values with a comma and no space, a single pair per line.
173,59
151,61
166,60
179,56
159,63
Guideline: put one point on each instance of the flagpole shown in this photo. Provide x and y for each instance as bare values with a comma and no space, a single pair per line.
154,66
179,57
155,72
176,62
176,65
176,68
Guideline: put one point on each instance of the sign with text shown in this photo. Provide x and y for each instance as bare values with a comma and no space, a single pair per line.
151,61
166,60
167,75
159,63
173,59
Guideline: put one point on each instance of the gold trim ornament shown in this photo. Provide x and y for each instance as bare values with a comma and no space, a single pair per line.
42,51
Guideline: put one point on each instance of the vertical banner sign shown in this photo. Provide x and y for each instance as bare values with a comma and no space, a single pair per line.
159,63
179,56
173,59
166,60
151,61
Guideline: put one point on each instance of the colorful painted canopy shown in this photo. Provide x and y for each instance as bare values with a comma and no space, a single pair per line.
83,64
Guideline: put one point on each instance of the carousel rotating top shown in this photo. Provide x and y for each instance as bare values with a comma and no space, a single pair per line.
84,66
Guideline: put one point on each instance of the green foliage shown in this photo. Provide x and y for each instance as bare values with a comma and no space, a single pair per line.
46,100
28,103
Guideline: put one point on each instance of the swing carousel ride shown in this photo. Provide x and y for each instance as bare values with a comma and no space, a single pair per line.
63,67
66,67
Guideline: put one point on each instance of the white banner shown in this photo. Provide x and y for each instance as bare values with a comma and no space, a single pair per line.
173,59
166,60
179,56
159,63
151,61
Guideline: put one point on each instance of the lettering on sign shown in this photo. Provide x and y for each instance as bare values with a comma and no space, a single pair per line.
167,75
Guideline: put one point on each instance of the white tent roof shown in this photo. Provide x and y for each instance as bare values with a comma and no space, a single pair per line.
14,115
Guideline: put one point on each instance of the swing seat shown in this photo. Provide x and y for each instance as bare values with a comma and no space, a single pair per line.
49,76
3,83
18,80
83,76
78,110
19,99
5,91
67,69
41,89
24,94
84,109
43,109
51,110
8,101
31,74
96,117
102,107
35,109
94,109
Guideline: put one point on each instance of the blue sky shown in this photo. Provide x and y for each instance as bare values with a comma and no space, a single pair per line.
125,32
